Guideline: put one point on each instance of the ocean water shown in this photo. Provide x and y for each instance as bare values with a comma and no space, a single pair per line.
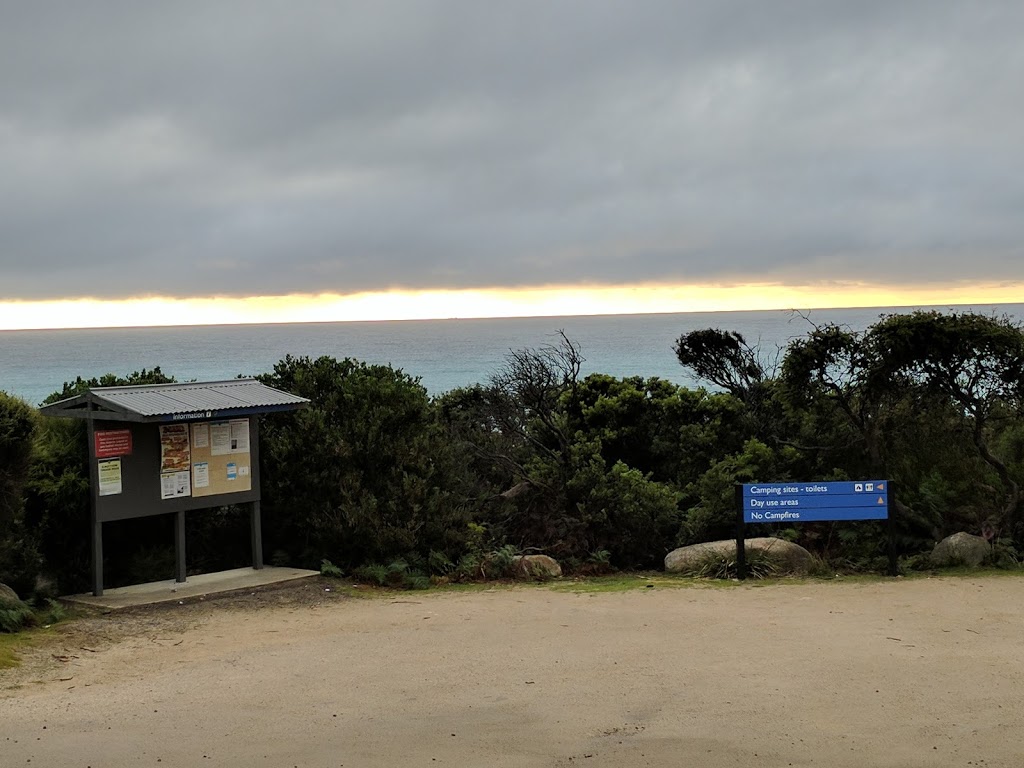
443,354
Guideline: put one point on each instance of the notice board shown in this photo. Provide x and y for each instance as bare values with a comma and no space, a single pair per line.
171,467
221,458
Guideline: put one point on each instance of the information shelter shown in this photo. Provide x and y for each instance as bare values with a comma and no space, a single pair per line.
172,448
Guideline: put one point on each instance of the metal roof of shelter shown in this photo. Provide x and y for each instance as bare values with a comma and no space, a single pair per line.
176,402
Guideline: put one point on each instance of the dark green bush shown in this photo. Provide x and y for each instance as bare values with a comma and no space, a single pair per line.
366,474
19,556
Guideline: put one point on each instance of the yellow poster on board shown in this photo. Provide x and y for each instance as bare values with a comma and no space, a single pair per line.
110,477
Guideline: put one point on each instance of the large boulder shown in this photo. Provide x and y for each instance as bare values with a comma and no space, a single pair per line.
536,567
8,595
962,549
790,557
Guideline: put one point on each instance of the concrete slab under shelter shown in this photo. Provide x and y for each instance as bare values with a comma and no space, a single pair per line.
194,586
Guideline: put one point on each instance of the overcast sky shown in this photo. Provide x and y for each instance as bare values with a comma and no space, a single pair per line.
255,147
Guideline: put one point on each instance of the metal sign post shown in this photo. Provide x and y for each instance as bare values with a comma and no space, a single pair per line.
894,569
741,544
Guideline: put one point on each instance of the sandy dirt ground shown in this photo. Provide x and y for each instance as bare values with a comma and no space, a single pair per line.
912,673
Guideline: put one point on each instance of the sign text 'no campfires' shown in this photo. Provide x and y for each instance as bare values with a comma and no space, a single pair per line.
813,502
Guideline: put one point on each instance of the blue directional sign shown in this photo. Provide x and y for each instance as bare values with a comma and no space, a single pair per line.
802,502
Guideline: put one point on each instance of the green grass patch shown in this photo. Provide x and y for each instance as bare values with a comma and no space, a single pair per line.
10,645
649,580
23,625
628,582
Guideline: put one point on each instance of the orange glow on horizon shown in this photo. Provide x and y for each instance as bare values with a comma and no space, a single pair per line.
542,301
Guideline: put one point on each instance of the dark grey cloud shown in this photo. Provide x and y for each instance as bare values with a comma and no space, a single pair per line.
269,147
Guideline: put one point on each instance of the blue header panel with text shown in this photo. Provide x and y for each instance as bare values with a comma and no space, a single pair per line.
802,502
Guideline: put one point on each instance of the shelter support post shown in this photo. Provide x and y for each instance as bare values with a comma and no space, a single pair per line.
256,528
97,526
97,558
179,546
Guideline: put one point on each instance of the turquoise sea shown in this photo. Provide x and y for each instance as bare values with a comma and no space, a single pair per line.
443,353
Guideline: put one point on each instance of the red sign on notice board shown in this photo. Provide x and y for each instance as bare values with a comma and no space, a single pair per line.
113,442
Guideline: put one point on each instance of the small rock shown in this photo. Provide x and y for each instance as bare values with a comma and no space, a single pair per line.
536,566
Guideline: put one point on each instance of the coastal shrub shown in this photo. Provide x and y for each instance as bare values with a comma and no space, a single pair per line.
373,573
493,454
19,553
327,568
17,432
1005,554
52,612
668,432
597,563
517,431
417,581
398,575
543,429
500,563
366,474
15,615
468,568
714,516
624,513
439,563
57,502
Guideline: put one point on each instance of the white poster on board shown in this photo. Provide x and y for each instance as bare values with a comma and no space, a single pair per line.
220,438
201,475
174,485
200,435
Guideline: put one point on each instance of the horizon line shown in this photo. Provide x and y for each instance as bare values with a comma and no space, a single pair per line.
88,313
242,323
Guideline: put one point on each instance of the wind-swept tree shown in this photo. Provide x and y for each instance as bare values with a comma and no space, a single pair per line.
923,373
565,494
728,362
974,362
725,359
